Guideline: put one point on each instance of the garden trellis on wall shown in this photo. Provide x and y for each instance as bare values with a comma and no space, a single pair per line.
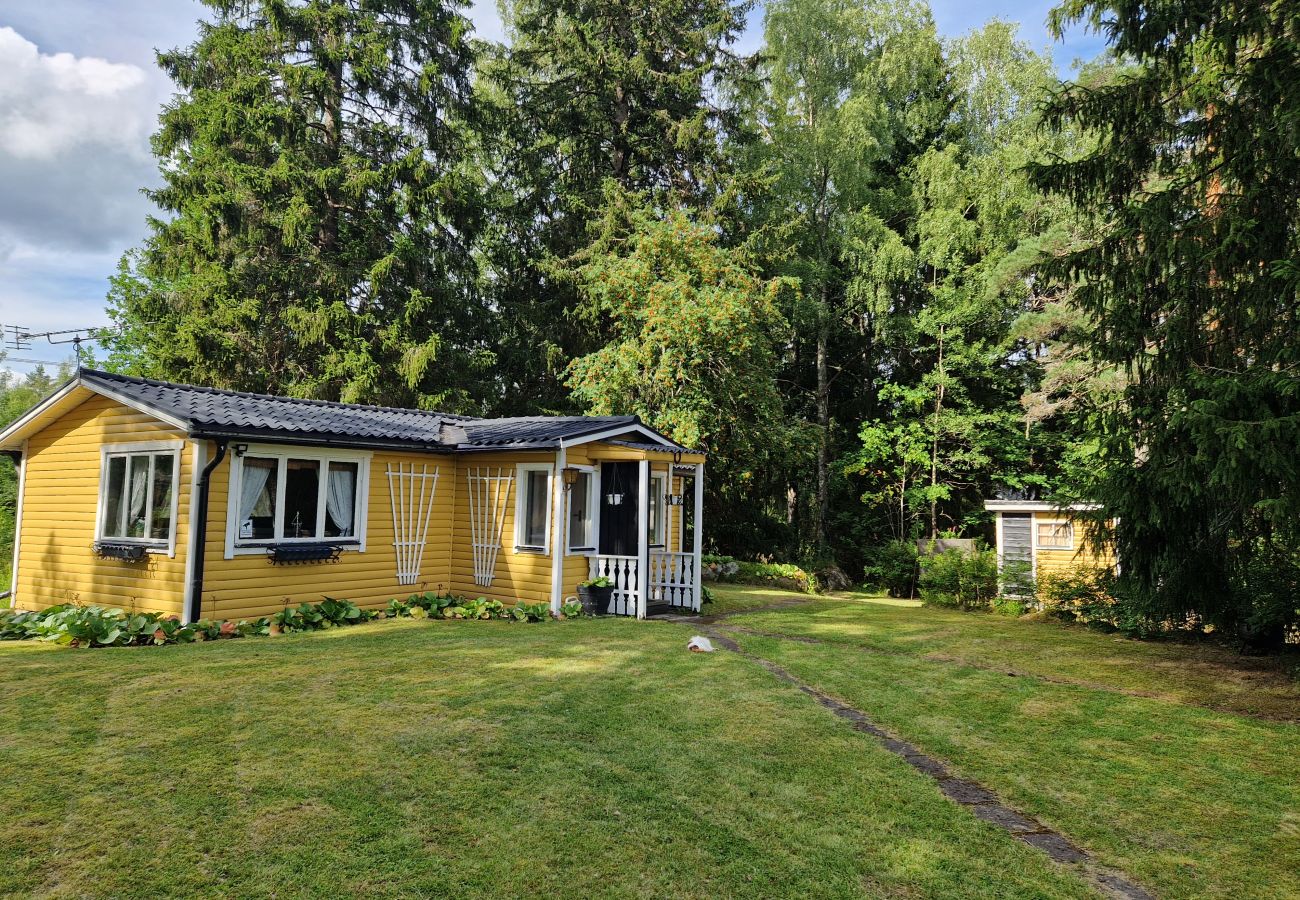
489,492
411,493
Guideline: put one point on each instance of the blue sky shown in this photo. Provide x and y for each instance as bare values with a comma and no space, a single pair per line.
79,97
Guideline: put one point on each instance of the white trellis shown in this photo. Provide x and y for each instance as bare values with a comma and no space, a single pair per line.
489,492
411,493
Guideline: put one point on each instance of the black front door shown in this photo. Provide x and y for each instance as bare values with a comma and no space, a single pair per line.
619,482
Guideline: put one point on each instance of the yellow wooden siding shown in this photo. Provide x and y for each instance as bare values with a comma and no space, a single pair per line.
522,576
1084,555
247,586
61,471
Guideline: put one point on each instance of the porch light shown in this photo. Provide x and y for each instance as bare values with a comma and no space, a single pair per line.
676,499
614,499
570,476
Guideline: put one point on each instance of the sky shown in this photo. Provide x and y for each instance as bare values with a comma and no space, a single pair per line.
80,95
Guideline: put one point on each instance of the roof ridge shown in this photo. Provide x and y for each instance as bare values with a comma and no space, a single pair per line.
334,404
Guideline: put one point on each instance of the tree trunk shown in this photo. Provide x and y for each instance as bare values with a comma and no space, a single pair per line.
823,423
934,447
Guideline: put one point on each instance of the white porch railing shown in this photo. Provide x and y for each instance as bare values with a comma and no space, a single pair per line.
672,580
622,570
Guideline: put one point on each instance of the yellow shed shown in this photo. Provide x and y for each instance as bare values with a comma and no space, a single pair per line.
1051,539
203,503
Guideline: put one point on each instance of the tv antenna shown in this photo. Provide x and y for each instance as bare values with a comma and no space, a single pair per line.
19,338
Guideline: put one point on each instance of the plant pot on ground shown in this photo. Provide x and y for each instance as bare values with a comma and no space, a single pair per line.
595,596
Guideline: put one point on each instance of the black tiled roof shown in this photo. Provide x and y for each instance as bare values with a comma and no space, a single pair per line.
209,412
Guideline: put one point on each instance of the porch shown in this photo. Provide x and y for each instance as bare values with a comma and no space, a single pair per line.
650,547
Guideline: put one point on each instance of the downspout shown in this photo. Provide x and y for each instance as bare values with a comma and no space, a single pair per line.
200,527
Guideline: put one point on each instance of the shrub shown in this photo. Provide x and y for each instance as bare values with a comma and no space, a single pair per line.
894,567
1093,597
784,575
97,626
964,580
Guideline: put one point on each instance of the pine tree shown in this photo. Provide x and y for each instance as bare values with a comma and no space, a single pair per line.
321,213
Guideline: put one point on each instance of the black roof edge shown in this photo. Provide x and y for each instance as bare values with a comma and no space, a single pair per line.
291,439
334,404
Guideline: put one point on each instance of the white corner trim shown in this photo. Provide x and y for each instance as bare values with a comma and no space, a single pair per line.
559,537
18,525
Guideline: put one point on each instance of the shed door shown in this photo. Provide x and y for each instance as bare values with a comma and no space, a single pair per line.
1017,551
619,481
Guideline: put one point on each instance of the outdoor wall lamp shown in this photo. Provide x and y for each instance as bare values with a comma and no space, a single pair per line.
241,449
570,476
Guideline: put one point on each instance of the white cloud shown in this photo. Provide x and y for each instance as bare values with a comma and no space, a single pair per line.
53,104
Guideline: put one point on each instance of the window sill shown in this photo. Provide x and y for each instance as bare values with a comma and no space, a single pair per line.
535,551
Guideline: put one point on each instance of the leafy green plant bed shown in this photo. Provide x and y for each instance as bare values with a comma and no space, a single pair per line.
99,626
781,575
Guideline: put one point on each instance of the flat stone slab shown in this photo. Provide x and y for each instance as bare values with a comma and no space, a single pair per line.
1055,846
966,792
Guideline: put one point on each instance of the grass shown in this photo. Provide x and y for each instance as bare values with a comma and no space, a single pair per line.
408,758
1163,760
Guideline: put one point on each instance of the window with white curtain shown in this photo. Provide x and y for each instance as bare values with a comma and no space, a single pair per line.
297,495
658,499
137,504
533,507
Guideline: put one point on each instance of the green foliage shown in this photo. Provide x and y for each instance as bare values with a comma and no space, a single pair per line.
964,580
692,350
894,567
571,609
319,206
97,626
1096,598
600,582
1188,273
786,575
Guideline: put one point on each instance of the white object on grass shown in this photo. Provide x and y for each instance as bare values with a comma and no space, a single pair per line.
700,644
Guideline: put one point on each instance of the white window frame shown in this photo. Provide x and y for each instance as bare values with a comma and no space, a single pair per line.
593,507
141,448
661,492
237,546
521,502
1058,522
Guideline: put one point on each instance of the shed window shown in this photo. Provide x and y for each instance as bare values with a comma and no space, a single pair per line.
533,508
297,497
138,505
1055,536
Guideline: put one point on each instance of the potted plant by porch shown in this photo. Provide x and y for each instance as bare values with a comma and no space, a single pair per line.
595,594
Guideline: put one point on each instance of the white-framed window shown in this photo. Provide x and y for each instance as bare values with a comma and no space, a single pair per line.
296,495
533,507
138,494
1054,535
658,502
584,512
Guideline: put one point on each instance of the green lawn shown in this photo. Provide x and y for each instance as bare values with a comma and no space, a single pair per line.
599,758
1140,752
430,758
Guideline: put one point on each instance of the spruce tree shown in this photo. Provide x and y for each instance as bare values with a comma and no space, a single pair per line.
1191,279
320,213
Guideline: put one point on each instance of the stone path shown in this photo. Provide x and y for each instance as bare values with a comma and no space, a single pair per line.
978,799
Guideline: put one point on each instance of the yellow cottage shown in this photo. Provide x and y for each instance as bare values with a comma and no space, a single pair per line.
1050,538
215,504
